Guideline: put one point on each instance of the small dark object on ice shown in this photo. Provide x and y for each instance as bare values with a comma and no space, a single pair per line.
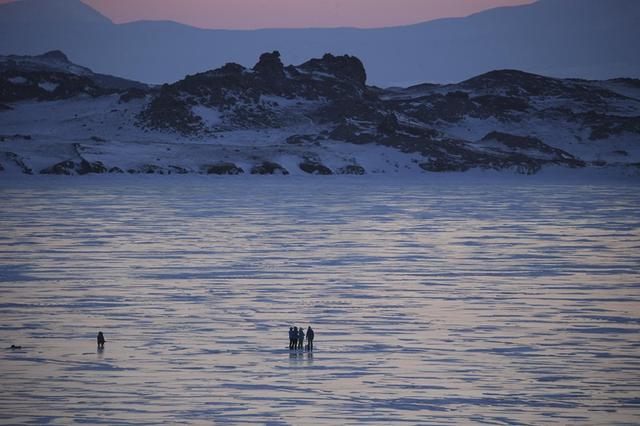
15,347
101,340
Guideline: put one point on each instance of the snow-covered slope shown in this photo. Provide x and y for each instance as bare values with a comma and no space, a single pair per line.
594,39
25,70
318,117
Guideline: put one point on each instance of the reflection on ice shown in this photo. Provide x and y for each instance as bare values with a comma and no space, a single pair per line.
432,303
301,356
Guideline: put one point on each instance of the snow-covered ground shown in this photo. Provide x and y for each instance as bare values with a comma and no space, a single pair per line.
442,300
113,138
105,130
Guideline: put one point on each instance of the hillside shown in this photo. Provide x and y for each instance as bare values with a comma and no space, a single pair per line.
318,117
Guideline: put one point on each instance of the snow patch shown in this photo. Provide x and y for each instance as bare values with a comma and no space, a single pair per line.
48,86
211,117
18,80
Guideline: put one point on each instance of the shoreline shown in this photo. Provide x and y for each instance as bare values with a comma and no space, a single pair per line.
547,176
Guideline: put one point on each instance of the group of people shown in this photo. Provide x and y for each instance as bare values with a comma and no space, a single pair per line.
296,338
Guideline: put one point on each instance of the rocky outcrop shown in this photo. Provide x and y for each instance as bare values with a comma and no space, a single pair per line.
440,165
14,158
605,126
45,86
270,66
177,170
352,169
223,169
168,112
70,167
302,139
314,168
269,168
153,169
67,167
499,151
239,93
341,67
306,110
529,147
413,120
132,94
52,76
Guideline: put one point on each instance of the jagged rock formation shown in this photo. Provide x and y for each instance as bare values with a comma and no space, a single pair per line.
241,95
254,119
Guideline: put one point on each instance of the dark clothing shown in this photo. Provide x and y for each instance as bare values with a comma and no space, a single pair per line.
310,336
294,338
101,340
300,339
290,337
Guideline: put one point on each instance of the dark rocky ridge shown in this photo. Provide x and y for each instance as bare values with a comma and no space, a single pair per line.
407,119
326,100
237,91
22,78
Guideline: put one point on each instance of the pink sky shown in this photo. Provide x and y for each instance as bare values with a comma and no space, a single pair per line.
292,13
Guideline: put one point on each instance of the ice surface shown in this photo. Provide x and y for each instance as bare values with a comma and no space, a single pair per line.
435,301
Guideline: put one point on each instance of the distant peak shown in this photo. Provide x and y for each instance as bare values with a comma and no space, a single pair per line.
34,11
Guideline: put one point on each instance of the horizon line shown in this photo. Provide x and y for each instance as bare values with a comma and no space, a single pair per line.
185,22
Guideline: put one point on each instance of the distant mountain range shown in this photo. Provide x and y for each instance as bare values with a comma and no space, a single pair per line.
318,117
593,39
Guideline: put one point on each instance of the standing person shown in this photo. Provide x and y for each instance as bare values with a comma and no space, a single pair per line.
295,338
300,338
310,336
101,340
290,338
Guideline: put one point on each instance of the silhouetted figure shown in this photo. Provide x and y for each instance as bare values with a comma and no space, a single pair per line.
295,337
300,338
101,340
310,335
290,338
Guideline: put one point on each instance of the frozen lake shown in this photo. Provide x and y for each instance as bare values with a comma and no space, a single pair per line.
433,302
